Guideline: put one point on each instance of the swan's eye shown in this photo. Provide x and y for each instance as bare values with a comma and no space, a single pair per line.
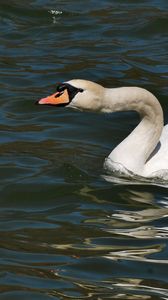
61,88
71,90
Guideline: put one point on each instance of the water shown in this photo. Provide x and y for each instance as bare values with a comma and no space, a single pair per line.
67,233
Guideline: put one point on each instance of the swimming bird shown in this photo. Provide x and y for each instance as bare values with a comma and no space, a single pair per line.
144,151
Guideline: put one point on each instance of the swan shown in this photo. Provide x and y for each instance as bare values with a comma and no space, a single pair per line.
144,151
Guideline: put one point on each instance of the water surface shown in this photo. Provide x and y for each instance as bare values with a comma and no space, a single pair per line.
67,233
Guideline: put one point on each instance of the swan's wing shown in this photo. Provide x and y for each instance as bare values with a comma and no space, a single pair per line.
159,158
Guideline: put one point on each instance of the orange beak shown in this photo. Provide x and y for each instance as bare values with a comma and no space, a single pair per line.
56,99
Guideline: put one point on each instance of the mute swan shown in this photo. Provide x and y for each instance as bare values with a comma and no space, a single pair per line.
145,151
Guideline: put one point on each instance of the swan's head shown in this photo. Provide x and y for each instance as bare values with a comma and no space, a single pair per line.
77,93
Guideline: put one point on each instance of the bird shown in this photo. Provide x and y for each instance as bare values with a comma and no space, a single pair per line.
144,152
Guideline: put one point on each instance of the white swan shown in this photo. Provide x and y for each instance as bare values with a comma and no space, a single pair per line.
145,151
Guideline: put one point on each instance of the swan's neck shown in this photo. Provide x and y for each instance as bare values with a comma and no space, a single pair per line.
135,150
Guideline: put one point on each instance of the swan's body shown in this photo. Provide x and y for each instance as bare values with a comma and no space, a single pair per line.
145,151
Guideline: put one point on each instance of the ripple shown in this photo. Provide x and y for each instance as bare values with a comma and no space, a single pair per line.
66,232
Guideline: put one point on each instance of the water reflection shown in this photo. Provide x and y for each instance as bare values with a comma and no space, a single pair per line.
122,288
123,255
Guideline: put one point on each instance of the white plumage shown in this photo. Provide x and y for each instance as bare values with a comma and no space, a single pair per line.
145,151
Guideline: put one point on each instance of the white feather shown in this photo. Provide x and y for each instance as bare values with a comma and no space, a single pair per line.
145,151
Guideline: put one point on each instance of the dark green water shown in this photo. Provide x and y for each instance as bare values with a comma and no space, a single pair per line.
66,233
